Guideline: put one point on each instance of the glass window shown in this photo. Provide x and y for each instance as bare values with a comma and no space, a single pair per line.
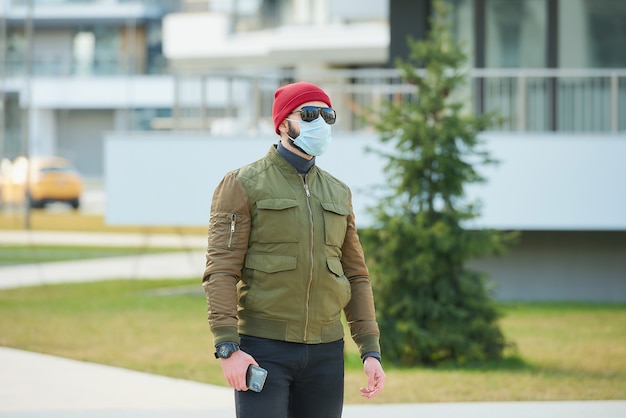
462,27
107,44
13,140
150,119
155,61
516,33
84,43
592,33
15,51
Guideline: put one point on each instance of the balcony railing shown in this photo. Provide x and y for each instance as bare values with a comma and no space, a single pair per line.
529,100
555,100
50,65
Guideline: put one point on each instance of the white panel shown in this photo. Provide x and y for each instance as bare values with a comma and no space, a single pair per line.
103,92
169,179
554,182
543,182
193,34
355,10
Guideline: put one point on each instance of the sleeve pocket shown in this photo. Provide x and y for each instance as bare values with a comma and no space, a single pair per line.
226,231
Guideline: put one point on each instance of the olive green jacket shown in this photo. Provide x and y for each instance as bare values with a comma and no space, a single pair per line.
284,258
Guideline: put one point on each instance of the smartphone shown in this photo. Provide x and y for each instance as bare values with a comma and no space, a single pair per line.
255,378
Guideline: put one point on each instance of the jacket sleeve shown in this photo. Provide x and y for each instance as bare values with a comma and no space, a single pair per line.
360,312
229,229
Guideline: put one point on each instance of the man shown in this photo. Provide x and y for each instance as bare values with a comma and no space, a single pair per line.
283,260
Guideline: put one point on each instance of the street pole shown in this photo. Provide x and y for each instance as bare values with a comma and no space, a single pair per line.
27,119
4,10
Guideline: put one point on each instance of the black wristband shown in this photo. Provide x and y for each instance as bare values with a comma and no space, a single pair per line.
371,354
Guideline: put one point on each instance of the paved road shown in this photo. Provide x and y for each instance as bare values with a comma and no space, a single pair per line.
36,385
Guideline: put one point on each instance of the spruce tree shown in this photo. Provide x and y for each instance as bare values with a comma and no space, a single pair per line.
432,308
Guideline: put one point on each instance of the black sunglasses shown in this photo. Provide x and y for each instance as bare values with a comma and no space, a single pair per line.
310,113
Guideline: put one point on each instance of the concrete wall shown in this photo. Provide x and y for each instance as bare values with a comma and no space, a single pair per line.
560,265
79,138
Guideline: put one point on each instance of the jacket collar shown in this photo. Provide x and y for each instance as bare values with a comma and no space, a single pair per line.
282,162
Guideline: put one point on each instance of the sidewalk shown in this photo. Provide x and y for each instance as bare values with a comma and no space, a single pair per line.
144,266
39,385
36,385
184,264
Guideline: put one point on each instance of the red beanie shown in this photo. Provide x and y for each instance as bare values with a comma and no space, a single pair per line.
289,97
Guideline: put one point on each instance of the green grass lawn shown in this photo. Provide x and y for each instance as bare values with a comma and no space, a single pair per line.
25,254
564,351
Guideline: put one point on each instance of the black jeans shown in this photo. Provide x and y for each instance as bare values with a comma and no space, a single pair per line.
303,380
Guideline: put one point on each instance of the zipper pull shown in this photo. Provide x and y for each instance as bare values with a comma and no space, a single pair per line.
306,186
233,218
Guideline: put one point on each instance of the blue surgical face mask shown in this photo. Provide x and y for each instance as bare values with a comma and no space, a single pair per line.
314,136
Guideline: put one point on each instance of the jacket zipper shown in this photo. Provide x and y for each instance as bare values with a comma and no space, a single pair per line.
308,291
233,218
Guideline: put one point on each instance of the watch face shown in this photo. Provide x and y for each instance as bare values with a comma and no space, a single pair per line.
224,351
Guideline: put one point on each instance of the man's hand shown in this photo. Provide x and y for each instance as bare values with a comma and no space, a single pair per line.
235,368
375,378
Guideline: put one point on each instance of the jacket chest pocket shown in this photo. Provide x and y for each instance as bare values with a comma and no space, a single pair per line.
335,223
276,221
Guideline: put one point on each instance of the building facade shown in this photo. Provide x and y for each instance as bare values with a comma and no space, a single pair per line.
67,72
74,74
70,71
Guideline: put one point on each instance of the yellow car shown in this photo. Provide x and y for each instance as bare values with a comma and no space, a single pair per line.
50,179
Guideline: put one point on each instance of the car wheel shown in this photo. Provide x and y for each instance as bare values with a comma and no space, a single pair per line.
74,203
34,203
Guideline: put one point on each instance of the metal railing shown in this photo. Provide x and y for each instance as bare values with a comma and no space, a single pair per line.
556,100
51,65
528,100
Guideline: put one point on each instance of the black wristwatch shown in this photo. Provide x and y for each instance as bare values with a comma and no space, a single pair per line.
225,350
